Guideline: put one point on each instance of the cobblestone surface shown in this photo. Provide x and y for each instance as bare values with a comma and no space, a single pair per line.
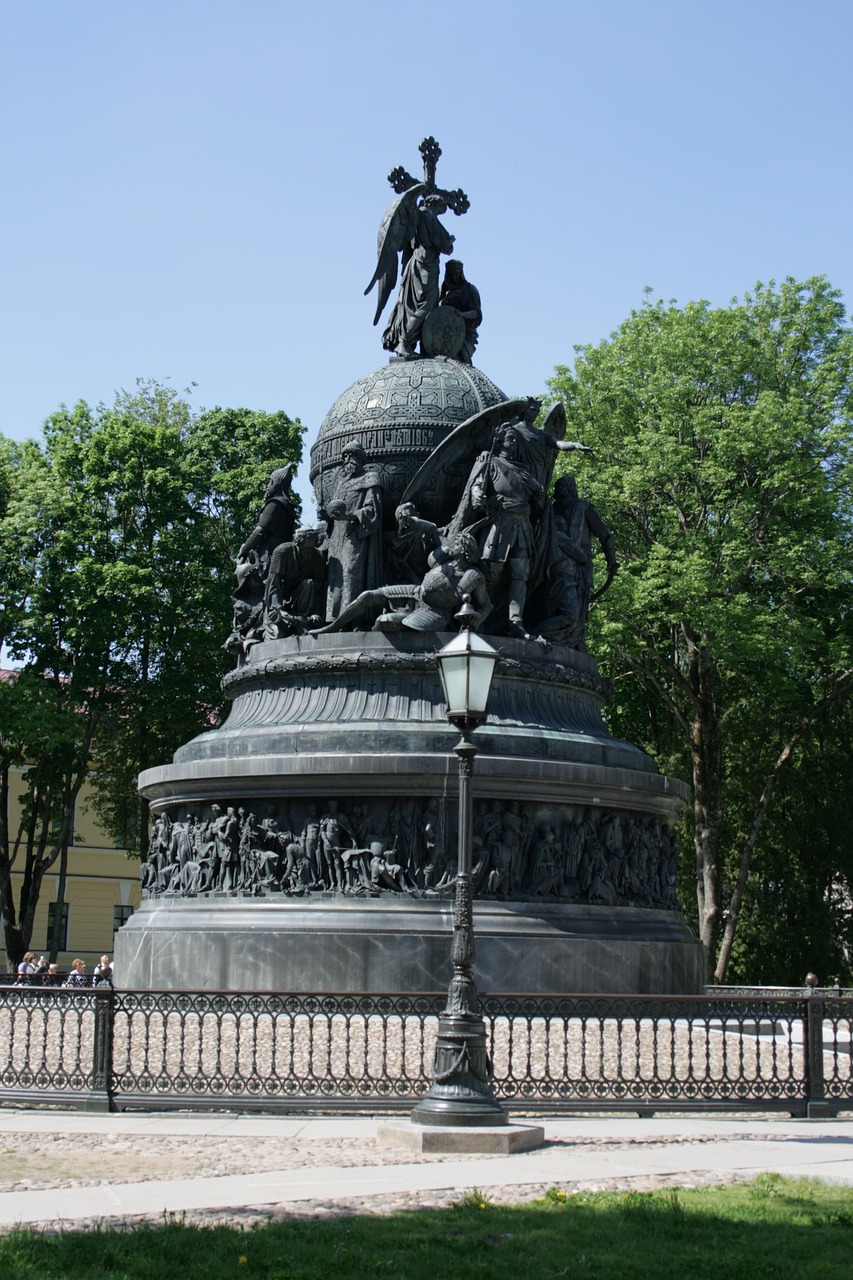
43,1161
39,1162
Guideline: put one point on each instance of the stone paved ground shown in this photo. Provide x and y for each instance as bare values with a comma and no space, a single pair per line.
37,1161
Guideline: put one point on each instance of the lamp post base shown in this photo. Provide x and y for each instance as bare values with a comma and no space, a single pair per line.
460,1093
460,1140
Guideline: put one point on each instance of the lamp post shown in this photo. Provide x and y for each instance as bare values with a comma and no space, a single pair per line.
461,1091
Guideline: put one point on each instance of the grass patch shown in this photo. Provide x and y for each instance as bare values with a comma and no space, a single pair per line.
771,1227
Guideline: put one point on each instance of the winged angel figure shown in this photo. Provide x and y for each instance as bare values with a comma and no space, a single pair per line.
411,233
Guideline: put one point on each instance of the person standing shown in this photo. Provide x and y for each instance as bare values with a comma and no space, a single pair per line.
502,495
570,580
354,515
28,967
336,836
77,976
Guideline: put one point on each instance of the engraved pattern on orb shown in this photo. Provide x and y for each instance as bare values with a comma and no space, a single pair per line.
399,413
443,332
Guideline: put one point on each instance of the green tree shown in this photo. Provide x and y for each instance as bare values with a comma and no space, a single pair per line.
117,535
723,462
185,490
797,913
51,555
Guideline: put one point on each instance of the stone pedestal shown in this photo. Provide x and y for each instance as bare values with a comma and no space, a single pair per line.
576,871
332,945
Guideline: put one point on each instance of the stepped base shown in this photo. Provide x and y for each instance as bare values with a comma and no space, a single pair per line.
574,860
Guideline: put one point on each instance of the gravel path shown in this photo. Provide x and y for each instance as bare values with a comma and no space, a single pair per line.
38,1162
31,1161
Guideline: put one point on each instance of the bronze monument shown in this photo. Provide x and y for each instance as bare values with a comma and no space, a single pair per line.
308,843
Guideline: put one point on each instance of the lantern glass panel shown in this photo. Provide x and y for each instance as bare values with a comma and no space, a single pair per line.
467,664
454,676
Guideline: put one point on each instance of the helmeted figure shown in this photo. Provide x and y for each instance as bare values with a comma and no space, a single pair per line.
504,503
503,497
275,525
276,521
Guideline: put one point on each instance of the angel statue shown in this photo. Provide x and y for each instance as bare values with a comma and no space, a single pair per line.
411,229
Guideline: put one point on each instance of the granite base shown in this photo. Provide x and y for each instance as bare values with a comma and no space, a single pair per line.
503,1140
335,944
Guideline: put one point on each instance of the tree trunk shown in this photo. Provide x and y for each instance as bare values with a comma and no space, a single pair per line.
57,930
15,948
143,816
705,750
5,860
40,858
783,760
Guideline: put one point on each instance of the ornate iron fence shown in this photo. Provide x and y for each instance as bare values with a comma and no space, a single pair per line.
106,1049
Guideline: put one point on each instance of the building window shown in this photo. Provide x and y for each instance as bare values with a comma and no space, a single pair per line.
121,915
63,928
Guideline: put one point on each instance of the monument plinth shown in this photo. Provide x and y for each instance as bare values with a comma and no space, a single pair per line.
309,842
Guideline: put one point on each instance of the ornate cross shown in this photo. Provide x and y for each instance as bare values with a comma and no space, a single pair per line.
401,180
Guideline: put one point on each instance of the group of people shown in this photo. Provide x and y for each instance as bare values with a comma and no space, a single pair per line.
606,859
35,970
527,558
584,854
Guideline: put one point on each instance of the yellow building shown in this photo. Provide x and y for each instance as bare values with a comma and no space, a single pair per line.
101,890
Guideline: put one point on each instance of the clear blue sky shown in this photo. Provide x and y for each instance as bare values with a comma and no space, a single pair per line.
192,188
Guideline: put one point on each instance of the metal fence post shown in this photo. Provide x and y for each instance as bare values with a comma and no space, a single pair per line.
817,1107
101,1096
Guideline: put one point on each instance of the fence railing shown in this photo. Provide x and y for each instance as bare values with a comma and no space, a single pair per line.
734,989
102,1049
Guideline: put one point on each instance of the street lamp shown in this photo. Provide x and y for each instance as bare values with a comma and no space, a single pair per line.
461,1091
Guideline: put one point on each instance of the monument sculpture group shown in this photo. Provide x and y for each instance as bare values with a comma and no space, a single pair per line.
309,843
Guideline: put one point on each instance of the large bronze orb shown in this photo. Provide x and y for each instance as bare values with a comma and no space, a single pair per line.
399,413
